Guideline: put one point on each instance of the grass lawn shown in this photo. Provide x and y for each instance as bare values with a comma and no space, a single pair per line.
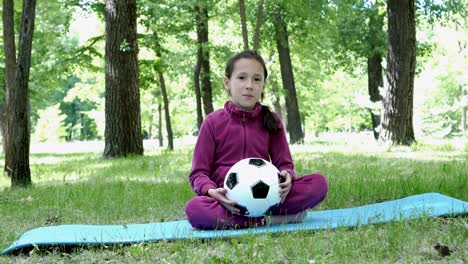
80,187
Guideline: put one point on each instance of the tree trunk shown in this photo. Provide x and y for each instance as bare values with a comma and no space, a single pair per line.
122,95
162,84
151,118
374,82
10,68
21,173
245,35
256,37
201,17
374,63
160,135
397,115
196,82
294,120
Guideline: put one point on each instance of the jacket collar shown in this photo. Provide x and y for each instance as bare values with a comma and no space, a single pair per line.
231,108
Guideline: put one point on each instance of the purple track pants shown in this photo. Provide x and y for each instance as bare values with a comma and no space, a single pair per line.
204,212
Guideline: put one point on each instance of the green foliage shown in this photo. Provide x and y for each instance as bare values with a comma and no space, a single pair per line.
50,125
444,91
329,43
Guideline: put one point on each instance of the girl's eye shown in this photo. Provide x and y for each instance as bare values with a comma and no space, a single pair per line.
241,77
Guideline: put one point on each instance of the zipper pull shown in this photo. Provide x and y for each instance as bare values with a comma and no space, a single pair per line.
243,116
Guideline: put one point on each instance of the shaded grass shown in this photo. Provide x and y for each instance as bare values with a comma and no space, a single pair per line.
83,188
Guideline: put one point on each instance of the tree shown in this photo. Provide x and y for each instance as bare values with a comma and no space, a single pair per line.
256,37
20,171
10,68
357,41
375,55
162,85
294,121
201,21
397,115
245,35
122,107
196,82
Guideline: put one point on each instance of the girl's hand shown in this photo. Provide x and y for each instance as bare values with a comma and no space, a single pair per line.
219,194
285,184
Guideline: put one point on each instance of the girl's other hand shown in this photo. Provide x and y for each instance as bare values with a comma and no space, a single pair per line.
219,194
285,185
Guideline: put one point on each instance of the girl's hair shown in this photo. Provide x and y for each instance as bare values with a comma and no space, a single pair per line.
269,120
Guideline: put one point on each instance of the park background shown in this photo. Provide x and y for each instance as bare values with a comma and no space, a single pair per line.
337,70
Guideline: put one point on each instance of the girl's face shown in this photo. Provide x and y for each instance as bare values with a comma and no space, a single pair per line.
246,83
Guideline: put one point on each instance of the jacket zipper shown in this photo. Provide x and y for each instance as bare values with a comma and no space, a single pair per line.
245,133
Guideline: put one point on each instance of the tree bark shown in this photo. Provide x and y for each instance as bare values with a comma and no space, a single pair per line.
122,95
10,68
160,135
294,120
245,35
374,82
258,25
21,173
162,86
201,17
374,64
170,137
397,115
196,82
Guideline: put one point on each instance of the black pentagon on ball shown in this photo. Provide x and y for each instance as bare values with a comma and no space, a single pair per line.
260,190
257,162
232,181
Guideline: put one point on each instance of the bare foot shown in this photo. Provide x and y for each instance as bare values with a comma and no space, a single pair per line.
285,219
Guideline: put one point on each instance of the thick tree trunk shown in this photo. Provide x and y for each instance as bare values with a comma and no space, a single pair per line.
245,35
10,68
21,173
196,82
294,120
123,121
258,25
397,115
201,17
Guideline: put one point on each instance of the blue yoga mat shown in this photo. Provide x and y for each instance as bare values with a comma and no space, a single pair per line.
423,205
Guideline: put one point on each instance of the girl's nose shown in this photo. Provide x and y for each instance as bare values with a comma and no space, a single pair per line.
249,84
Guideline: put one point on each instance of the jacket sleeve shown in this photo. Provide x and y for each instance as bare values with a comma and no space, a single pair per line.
279,151
202,162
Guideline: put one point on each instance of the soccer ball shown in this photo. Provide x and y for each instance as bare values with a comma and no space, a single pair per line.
254,184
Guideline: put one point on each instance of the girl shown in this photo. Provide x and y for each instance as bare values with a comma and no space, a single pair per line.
242,129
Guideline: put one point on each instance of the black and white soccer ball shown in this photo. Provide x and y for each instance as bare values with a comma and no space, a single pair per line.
254,184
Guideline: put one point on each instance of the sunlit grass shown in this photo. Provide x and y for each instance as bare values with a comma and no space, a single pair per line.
82,187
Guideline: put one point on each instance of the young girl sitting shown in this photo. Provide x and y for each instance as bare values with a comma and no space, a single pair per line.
242,129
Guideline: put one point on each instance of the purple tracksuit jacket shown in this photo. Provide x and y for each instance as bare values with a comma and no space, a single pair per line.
227,136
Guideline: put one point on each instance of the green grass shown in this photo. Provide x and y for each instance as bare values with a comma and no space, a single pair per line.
83,188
